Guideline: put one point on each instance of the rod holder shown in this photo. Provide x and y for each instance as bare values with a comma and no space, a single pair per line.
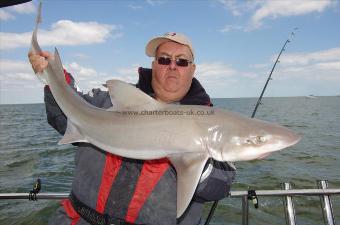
245,210
288,205
326,204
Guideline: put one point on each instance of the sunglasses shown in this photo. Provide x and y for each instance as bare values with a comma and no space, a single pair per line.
179,62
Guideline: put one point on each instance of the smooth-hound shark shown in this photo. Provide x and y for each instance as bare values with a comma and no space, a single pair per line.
139,127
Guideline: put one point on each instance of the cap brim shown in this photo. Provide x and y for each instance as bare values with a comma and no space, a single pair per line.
152,46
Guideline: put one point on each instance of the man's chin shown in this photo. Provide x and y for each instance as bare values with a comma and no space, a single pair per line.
171,85
171,89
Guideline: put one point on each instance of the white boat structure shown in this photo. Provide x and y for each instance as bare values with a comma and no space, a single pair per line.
311,97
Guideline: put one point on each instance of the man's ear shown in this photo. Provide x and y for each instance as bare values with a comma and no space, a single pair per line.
193,69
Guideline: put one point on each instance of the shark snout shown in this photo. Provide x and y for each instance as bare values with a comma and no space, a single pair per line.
288,137
258,144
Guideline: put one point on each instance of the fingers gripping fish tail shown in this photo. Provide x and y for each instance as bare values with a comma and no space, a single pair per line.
35,47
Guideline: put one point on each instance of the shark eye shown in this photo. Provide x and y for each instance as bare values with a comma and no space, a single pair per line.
256,140
260,139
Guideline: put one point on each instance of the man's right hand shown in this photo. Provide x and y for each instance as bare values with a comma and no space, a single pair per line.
39,61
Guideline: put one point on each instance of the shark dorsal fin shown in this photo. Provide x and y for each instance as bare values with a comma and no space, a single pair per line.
124,96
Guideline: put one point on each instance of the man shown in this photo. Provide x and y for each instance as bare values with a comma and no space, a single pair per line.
111,189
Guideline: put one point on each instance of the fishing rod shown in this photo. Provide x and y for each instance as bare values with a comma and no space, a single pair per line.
214,205
271,72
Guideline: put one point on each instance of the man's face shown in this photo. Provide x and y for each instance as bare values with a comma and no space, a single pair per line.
172,82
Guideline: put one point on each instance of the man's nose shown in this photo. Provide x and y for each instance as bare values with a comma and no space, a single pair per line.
173,65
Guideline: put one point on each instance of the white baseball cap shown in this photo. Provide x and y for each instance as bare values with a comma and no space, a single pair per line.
154,43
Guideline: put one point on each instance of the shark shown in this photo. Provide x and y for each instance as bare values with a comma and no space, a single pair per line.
139,127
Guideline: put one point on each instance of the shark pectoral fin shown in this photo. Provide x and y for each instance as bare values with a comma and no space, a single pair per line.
71,135
189,168
124,95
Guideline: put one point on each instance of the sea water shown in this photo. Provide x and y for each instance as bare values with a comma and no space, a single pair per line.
29,150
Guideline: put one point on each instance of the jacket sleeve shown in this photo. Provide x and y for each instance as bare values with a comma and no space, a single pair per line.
215,182
57,119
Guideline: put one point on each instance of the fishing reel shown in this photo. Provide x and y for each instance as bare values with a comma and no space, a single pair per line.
32,196
253,197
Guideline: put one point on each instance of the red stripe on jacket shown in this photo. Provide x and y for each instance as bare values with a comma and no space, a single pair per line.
72,214
151,172
111,168
67,77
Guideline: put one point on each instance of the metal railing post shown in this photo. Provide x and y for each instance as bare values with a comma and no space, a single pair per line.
289,206
245,210
326,204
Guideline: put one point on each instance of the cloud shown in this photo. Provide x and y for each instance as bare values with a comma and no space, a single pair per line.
216,77
134,7
295,73
8,66
14,72
19,74
88,78
82,72
128,74
154,2
214,70
63,32
26,8
313,66
4,15
80,56
228,28
221,79
260,65
314,73
8,13
329,65
237,8
128,70
275,9
328,55
259,11
232,6
18,83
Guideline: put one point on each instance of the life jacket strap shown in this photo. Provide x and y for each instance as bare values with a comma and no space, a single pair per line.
92,216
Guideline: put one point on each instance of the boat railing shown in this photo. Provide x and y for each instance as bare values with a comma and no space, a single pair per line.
286,193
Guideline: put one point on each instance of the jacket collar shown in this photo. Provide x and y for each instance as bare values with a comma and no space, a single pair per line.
195,96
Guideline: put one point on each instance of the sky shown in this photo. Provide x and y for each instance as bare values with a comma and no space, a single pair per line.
236,44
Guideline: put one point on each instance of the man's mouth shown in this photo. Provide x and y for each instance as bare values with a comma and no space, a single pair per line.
171,77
